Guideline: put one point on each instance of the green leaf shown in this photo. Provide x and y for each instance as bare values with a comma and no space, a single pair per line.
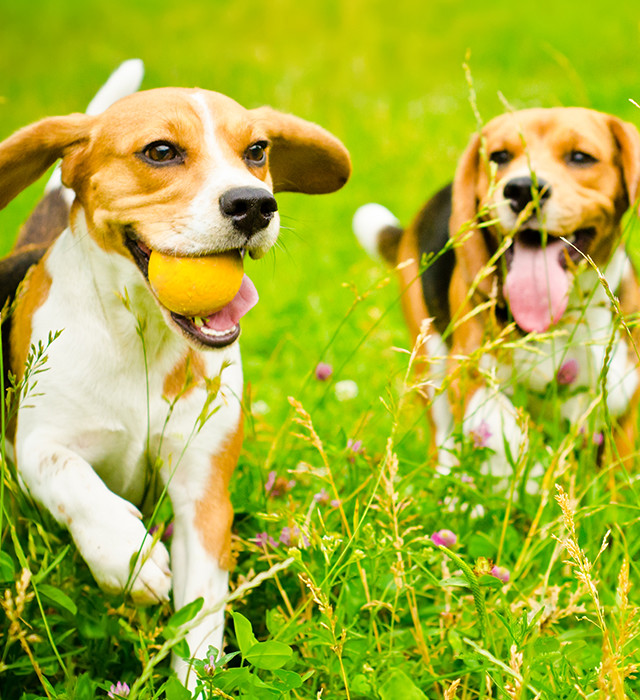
287,680
399,685
58,598
244,633
269,655
7,567
175,690
186,613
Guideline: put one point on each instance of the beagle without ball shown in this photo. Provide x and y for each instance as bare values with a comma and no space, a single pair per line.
136,395
510,251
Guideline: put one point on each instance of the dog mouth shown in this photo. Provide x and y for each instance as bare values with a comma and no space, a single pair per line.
217,330
537,280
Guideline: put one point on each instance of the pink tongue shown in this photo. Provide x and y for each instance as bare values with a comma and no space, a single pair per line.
228,316
537,286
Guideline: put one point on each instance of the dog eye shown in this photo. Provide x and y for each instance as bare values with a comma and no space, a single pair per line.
500,157
256,154
162,152
581,158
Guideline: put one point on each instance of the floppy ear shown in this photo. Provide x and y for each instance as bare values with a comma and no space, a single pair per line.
28,154
472,254
304,157
628,140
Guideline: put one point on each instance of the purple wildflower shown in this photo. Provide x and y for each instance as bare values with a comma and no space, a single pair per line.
444,538
292,537
322,497
262,539
502,573
210,668
278,486
481,434
568,372
119,690
598,438
323,371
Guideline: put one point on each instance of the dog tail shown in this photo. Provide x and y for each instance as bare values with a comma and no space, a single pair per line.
378,231
125,80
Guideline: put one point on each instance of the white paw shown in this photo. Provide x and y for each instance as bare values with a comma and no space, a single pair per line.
119,552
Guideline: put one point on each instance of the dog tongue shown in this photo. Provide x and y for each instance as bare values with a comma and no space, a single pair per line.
537,286
228,316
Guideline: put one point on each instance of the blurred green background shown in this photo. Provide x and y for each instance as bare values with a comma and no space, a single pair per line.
385,77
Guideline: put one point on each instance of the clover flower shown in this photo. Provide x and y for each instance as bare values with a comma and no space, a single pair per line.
262,539
567,372
502,573
119,690
292,537
444,538
346,390
210,668
323,371
278,486
481,434
323,497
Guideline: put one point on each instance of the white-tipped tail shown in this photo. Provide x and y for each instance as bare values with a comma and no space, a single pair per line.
368,221
125,80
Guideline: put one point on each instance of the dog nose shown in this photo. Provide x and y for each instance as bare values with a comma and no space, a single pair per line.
521,190
249,208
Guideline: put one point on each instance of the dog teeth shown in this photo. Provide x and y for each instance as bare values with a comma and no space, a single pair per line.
216,334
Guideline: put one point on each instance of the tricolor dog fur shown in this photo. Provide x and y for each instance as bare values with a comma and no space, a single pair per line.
511,249
186,172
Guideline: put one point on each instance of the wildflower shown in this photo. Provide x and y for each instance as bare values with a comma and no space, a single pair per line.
568,372
598,438
323,371
502,573
210,668
260,408
354,446
481,434
444,538
278,486
322,497
262,539
119,690
346,390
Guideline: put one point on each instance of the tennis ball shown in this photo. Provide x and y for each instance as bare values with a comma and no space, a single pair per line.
195,286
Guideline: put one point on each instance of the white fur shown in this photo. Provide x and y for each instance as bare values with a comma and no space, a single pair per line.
368,222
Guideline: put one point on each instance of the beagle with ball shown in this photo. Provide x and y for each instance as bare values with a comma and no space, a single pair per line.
136,397
520,265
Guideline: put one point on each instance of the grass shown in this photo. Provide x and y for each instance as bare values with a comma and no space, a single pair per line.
353,600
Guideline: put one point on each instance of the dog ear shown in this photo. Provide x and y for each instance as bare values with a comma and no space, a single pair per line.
628,139
471,254
303,157
31,151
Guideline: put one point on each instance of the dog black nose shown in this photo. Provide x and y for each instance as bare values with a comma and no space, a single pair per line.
250,208
522,190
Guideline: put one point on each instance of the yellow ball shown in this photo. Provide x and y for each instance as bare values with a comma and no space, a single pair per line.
195,286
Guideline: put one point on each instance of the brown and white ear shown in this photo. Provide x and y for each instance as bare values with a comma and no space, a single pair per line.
472,254
304,157
628,139
31,151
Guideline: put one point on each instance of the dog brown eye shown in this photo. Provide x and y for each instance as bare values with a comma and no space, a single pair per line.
162,152
256,154
581,158
500,157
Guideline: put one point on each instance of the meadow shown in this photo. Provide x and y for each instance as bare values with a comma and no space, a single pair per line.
336,497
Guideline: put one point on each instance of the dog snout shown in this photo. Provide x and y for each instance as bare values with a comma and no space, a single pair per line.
250,208
520,191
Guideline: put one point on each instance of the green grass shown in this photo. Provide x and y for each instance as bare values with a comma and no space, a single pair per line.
370,608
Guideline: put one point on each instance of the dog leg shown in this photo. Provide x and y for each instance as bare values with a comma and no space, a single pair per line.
201,548
106,528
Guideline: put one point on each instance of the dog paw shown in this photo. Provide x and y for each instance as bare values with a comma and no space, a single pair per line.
122,556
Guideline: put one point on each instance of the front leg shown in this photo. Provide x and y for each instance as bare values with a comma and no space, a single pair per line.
201,547
106,528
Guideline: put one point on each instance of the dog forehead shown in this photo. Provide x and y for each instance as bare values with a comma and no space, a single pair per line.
551,125
165,113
